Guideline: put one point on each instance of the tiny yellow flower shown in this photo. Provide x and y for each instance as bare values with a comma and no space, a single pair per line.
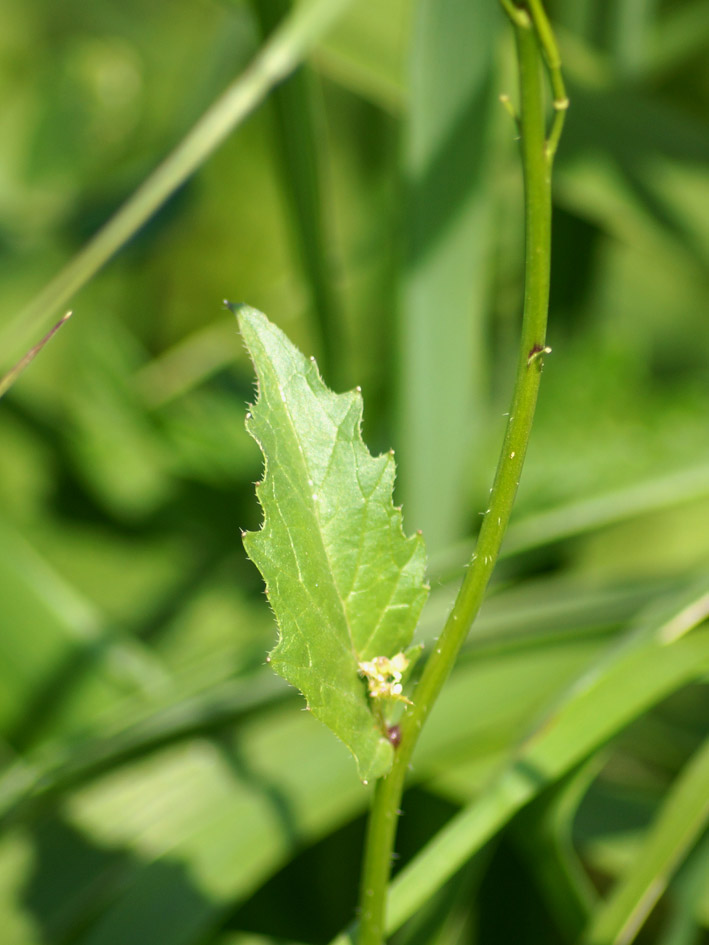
384,676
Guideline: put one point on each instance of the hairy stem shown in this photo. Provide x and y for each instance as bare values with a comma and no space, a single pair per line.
535,48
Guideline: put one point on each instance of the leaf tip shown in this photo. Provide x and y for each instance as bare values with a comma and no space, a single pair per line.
236,308
233,307
246,315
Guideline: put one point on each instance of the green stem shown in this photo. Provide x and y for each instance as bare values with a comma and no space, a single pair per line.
552,58
534,42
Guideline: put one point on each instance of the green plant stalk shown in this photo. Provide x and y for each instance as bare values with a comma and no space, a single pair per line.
279,56
537,158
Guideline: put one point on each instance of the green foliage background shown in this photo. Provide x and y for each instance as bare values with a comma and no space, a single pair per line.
159,785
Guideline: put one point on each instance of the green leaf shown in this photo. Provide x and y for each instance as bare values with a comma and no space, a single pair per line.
344,582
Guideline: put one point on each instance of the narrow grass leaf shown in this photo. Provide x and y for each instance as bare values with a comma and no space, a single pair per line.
631,22
588,515
9,379
444,281
69,638
365,50
299,137
286,48
544,835
345,584
680,822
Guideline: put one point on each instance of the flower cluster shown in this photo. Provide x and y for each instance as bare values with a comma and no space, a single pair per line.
384,676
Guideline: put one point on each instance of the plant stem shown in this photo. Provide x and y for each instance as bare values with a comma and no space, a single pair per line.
535,47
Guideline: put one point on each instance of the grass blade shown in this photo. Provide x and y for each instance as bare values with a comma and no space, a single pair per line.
278,57
582,516
9,379
681,820
444,281
70,641
544,835
590,514
298,121
632,21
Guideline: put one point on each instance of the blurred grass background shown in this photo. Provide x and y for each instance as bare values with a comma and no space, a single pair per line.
159,786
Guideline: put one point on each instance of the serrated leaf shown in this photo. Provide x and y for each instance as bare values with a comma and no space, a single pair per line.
345,583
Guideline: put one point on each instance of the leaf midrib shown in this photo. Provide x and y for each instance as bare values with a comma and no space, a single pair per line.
283,402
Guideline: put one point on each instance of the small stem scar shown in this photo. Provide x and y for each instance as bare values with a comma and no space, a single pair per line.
537,352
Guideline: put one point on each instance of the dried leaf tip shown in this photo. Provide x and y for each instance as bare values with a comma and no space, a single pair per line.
9,379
